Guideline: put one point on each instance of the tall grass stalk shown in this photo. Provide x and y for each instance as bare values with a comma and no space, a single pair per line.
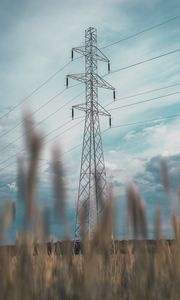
104,268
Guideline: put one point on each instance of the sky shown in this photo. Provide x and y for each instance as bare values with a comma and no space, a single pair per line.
36,41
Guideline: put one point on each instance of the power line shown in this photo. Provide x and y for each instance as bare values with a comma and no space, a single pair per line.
113,127
146,92
47,117
21,122
15,155
117,99
49,101
133,123
146,121
144,101
59,127
144,61
54,97
136,34
141,32
117,126
112,72
58,109
75,147
65,65
39,108
35,90
120,107
54,138
141,62
68,151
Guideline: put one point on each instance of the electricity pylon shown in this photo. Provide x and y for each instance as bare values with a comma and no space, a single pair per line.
92,182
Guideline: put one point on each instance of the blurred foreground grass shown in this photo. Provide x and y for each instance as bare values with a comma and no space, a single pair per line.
103,269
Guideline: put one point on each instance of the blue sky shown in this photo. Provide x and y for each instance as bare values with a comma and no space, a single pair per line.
36,40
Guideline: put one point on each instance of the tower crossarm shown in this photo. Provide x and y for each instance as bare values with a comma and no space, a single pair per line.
82,77
98,108
80,50
103,83
99,55
102,111
81,107
79,77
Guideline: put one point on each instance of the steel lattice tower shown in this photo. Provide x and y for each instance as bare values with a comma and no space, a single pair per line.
92,182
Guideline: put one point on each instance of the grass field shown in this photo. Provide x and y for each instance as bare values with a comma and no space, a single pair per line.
104,269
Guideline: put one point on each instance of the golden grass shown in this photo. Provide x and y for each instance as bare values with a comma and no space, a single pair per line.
103,271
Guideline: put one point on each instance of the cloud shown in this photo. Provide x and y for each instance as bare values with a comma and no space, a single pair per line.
37,37
130,135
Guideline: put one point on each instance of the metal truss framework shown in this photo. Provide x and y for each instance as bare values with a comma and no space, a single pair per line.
92,182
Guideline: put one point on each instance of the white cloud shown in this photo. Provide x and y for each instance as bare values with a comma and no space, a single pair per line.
12,186
163,138
130,135
42,39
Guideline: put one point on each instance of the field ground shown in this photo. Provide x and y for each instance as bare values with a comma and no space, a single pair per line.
118,246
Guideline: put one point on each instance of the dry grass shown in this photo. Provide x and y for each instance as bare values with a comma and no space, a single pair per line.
102,271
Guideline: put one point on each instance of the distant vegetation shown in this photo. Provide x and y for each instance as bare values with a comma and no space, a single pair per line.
102,270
